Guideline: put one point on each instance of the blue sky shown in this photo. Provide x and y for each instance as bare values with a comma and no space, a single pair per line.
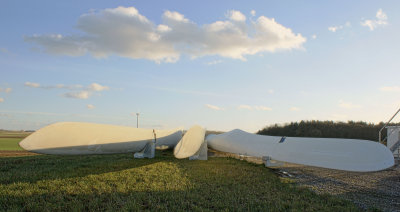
220,64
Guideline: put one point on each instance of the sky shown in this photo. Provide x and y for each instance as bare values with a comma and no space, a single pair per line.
220,64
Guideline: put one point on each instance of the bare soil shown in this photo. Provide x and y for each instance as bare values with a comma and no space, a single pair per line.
9,153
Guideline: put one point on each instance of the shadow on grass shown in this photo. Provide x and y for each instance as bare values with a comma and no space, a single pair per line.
47,167
166,184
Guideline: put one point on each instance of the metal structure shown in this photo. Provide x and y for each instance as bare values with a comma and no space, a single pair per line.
137,120
380,131
393,140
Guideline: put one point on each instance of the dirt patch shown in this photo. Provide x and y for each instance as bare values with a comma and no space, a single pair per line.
379,190
7,153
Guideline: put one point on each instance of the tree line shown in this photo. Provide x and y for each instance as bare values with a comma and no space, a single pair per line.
327,129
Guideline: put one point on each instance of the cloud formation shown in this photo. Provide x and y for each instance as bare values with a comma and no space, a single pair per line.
381,20
1,100
69,87
235,15
213,107
78,95
245,107
79,91
32,84
336,28
87,92
123,31
90,106
97,87
6,90
58,86
214,62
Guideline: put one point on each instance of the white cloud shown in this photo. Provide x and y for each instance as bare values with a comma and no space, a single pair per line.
163,28
78,95
1,99
69,87
214,62
271,91
126,33
334,28
314,36
81,93
235,15
263,108
7,90
175,16
246,107
390,88
213,107
32,84
86,92
381,20
90,106
253,13
97,87
58,86
348,105
294,109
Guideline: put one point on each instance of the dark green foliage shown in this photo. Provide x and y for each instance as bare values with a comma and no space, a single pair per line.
327,129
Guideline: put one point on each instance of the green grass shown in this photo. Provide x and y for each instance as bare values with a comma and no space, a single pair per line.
9,139
10,143
119,182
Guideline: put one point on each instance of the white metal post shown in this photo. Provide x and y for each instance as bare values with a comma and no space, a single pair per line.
137,120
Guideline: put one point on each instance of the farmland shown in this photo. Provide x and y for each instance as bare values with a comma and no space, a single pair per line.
9,139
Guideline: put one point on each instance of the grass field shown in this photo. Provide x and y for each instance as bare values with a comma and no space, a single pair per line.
119,182
13,134
10,143
9,139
